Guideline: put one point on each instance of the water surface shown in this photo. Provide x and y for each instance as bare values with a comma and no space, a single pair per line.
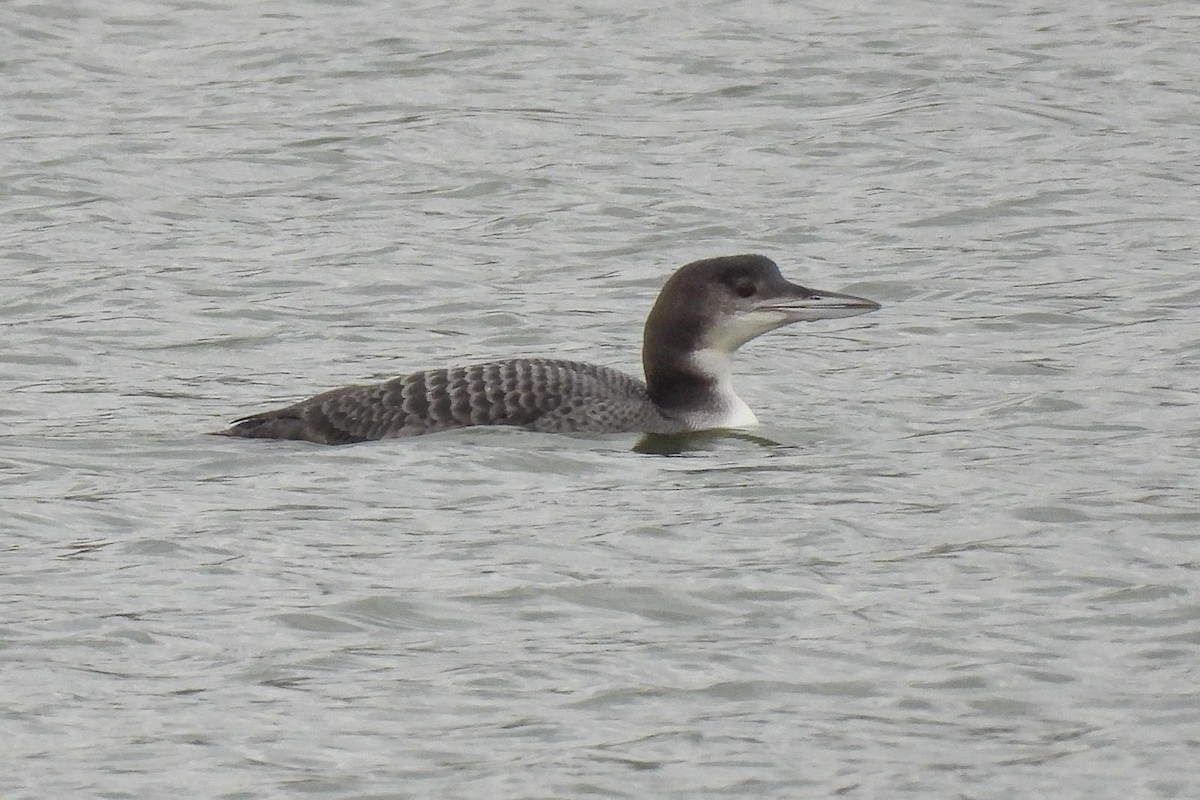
958,560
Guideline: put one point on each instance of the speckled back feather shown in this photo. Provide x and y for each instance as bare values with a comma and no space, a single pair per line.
533,393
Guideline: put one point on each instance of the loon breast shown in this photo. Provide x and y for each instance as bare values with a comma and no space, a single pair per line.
705,311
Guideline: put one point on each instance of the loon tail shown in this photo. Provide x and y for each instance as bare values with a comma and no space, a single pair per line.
268,425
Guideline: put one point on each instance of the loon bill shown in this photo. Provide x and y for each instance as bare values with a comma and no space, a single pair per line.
706,311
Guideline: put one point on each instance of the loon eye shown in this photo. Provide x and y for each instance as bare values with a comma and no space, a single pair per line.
745,289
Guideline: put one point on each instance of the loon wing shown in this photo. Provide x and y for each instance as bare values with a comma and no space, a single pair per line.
540,394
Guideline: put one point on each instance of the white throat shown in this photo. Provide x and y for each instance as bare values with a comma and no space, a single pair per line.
728,410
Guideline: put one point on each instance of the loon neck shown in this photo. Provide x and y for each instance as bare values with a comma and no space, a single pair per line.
693,386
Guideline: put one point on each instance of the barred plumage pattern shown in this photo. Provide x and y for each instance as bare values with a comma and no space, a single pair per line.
534,393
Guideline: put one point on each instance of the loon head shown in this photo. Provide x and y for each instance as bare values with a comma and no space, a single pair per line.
706,311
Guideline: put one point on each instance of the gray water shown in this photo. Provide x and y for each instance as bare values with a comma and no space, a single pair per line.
960,559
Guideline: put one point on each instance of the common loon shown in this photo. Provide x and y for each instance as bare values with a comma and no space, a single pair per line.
706,310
